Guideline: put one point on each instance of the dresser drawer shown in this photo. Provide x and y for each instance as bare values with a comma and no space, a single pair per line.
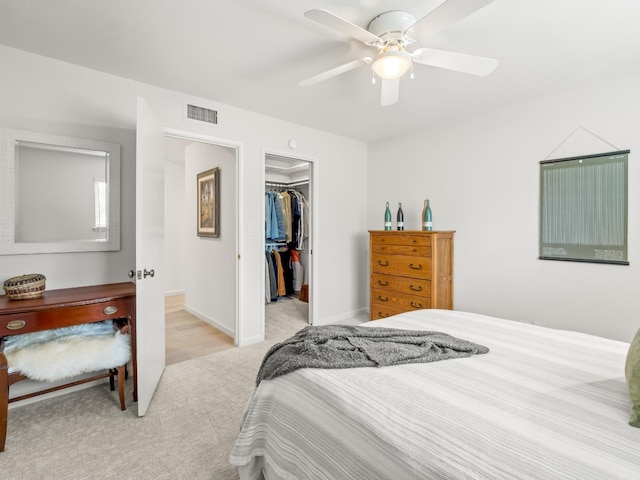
415,250
418,287
380,310
403,265
34,321
401,239
400,301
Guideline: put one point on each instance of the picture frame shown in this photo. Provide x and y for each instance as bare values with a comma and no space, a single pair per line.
208,201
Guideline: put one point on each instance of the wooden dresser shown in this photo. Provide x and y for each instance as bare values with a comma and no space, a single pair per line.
410,270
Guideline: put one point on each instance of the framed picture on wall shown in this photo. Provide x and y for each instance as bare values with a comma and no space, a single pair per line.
209,203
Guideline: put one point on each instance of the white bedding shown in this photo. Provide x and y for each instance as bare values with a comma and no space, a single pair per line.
542,404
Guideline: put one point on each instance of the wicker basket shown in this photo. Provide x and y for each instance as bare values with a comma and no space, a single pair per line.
25,286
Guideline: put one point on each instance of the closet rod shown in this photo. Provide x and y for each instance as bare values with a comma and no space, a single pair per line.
274,244
286,184
298,184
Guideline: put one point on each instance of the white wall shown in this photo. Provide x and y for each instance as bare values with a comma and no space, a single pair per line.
175,221
210,276
482,177
73,100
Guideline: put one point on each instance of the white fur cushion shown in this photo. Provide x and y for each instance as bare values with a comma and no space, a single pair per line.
69,356
25,339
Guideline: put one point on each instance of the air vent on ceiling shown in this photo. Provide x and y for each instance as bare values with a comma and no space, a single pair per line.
202,114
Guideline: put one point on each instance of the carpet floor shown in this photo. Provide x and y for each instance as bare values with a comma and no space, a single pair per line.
187,433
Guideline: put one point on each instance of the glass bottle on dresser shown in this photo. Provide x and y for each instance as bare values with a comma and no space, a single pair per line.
387,218
400,217
427,221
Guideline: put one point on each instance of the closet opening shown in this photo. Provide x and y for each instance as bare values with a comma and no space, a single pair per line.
288,242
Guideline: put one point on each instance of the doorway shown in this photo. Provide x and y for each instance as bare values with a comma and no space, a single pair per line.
288,241
201,271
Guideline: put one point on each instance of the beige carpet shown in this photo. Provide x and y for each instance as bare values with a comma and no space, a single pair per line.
187,432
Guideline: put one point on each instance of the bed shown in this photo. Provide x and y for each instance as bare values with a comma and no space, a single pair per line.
542,404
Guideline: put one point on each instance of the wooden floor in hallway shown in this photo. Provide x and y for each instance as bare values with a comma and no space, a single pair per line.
189,337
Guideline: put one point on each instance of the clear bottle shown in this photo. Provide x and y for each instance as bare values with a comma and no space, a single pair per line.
427,221
400,217
387,218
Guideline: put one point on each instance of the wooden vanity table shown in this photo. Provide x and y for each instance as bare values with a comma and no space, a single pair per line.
63,308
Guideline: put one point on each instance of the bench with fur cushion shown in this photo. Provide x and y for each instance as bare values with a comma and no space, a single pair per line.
52,355
62,353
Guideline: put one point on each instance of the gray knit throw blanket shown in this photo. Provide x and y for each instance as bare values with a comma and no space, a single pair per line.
349,346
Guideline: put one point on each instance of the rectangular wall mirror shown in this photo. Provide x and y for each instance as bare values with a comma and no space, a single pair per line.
58,194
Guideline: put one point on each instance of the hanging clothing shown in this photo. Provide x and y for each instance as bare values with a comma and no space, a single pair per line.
274,217
273,281
295,217
285,198
299,214
298,271
286,220
287,270
282,291
267,281
285,216
268,221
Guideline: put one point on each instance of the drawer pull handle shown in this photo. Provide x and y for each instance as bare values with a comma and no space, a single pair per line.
416,289
412,266
416,305
384,283
383,264
383,299
110,310
382,315
415,250
16,324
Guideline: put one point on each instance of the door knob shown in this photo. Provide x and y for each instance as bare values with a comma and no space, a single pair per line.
149,273
132,273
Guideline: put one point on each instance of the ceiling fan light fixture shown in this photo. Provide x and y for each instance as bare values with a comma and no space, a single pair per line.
392,64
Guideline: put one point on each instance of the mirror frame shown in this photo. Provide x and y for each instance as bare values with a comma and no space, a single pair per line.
9,139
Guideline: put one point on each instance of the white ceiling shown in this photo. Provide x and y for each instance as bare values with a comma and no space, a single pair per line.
252,54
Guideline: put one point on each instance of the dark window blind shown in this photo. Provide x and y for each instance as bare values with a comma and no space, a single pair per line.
583,208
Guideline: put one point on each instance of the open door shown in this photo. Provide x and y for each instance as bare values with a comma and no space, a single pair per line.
150,327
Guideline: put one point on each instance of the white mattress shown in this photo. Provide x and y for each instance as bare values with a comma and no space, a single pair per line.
542,404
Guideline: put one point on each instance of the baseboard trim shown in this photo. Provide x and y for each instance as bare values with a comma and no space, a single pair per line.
210,321
173,293
245,342
355,316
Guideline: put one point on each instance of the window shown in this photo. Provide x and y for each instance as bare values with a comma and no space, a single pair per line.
100,192
583,208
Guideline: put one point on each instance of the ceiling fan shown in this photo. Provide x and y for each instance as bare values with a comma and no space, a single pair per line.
391,33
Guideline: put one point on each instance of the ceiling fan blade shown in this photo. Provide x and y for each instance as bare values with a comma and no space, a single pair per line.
390,92
335,71
444,15
460,62
335,22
